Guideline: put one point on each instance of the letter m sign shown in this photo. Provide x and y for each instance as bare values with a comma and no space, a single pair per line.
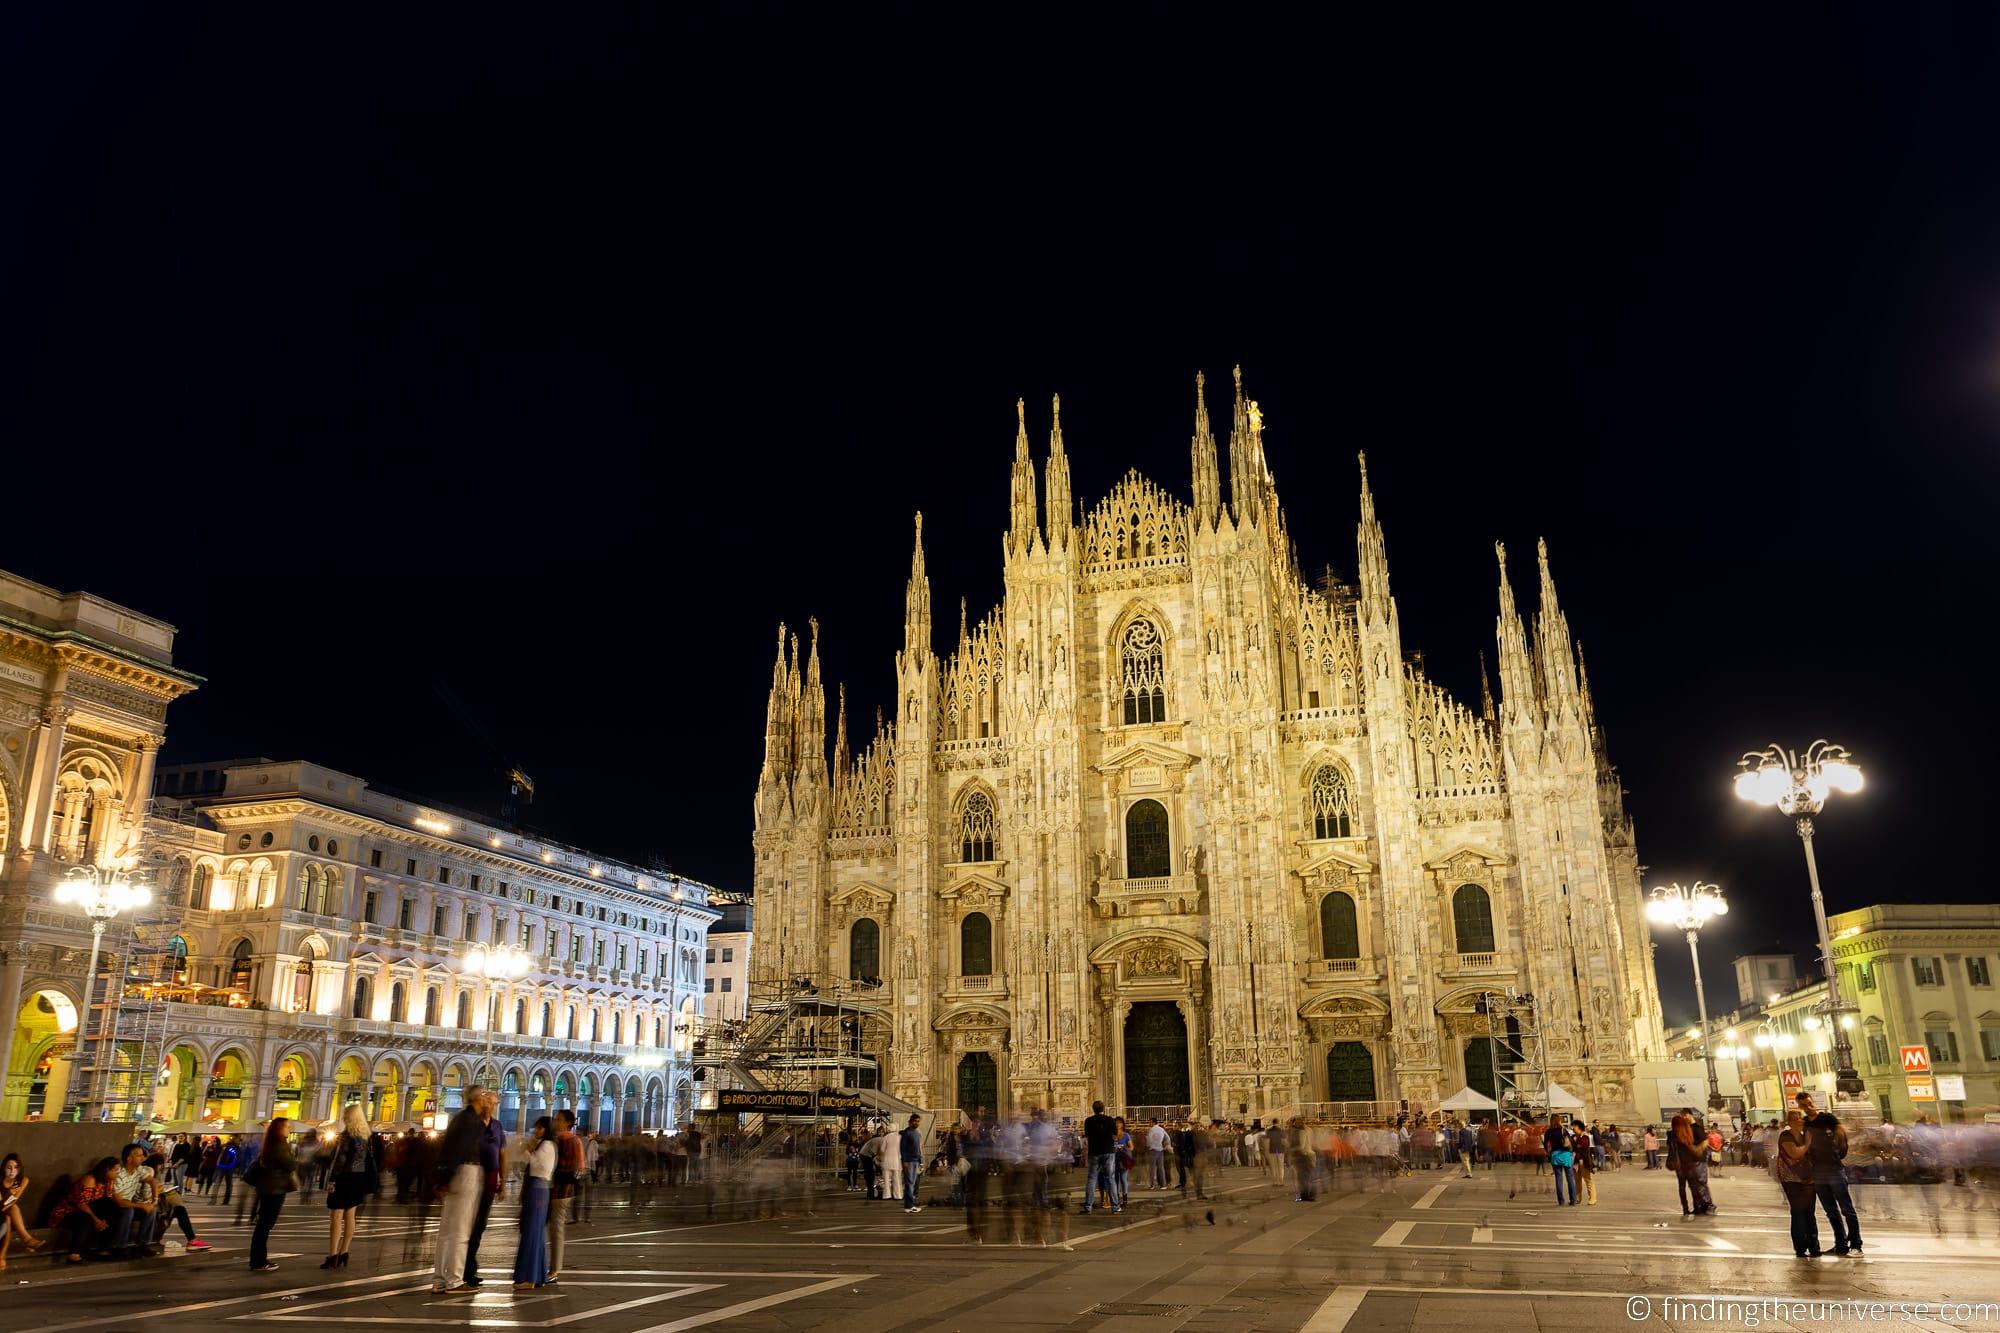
1916,1060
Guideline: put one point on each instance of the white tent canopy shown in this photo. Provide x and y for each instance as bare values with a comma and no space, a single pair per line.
1562,1099
1465,1099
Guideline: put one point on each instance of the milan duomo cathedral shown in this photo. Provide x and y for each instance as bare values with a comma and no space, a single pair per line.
1173,827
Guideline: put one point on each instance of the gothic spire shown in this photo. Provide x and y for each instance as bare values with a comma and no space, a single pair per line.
1372,552
840,754
1246,458
778,719
1517,679
917,603
1552,644
1021,532
1583,689
1201,450
1485,689
812,710
1056,502
963,637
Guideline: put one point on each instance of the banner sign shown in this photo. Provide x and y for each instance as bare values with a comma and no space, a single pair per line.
765,1101
1951,1087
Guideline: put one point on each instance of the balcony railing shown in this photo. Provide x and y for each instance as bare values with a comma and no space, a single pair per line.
1149,895
1473,962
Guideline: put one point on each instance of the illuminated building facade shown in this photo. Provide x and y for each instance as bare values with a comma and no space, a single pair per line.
84,689
328,946
1172,826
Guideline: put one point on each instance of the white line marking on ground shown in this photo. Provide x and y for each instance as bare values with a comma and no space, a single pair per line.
751,1306
485,1307
146,1317
1337,1309
1430,1195
1397,1233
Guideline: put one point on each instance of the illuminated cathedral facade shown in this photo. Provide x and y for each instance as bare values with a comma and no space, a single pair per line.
1172,826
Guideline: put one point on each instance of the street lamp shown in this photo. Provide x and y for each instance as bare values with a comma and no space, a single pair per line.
495,962
100,893
1688,909
1799,785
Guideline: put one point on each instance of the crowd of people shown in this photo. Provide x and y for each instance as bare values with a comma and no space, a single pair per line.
1030,1169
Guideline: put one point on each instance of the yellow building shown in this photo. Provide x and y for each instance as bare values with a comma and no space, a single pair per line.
1911,975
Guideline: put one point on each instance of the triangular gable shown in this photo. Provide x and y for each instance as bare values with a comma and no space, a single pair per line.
1334,859
862,892
1463,850
1147,752
975,884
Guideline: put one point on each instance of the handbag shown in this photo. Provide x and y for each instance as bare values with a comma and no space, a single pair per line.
1563,1157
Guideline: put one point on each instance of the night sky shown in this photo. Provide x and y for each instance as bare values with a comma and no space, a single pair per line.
471,386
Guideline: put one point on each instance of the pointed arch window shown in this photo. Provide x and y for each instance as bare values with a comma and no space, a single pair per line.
975,827
1148,846
975,945
1339,932
239,966
1142,673
1472,919
864,950
1331,803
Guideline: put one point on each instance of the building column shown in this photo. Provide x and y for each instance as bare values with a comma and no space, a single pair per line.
1118,1010
1191,1021
13,974
36,823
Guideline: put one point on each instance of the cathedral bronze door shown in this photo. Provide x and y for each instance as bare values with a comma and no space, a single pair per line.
1156,1055
978,1085
1479,1066
1350,1073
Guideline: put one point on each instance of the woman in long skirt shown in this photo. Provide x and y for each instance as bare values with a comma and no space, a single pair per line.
531,1256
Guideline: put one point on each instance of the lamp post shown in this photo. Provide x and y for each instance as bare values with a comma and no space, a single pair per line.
1688,908
1798,784
100,893
495,962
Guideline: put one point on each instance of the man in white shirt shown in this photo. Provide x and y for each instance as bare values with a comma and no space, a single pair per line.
1158,1143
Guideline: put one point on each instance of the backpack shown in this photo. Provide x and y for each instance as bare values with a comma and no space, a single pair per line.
226,1162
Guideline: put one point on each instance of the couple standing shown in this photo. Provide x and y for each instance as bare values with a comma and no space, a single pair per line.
1810,1166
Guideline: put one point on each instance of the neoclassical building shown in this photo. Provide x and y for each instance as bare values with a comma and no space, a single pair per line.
1172,825
84,689
311,940
323,946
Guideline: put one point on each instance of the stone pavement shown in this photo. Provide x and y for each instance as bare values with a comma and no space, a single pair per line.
1424,1252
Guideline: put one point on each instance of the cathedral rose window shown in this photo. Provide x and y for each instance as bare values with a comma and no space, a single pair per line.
1142,669
1331,804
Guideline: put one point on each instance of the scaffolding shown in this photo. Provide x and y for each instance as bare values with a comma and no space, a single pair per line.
797,1034
804,1035
1516,1055
123,1034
